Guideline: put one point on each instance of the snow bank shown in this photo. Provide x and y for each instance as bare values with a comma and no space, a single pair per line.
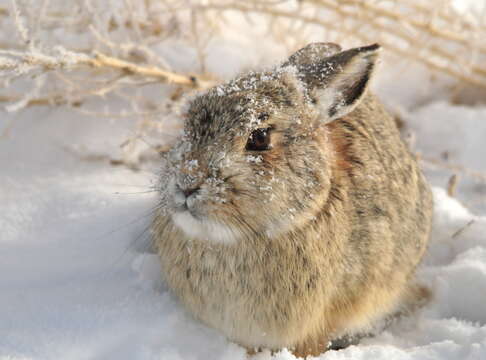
454,135
78,281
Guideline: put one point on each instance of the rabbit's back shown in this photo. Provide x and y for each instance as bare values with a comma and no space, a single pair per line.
385,186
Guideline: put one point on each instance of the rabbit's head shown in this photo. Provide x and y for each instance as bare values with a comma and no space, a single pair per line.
254,160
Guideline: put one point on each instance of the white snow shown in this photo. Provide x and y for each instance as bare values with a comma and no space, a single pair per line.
454,135
254,159
78,279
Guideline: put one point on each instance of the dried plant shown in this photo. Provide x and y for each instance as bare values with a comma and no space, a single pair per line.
72,53
105,63
115,44
76,53
432,32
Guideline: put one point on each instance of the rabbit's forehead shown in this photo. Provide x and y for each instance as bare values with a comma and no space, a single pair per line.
210,117
240,105
261,89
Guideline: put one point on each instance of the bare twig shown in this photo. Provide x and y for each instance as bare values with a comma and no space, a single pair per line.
100,60
452,185
455,167
461,230
50,100
70,60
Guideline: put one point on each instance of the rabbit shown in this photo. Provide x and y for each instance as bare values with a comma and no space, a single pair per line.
291,213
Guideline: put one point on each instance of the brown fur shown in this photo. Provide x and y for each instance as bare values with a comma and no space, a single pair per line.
329,224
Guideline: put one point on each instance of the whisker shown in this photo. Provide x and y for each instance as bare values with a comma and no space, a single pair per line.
144,232
132,222
129,246
134,193
130,185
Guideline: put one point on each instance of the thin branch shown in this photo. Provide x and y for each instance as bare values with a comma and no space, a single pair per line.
452,185
25,62
461,230
100,60
455,167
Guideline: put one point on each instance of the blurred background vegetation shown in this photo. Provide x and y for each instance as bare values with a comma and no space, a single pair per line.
139,60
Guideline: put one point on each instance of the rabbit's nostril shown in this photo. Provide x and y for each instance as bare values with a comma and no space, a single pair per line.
189,192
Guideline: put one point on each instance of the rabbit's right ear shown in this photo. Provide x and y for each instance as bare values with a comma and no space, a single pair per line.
335,83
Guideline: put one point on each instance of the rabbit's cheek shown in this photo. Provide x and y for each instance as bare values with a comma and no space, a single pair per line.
192,202
179,200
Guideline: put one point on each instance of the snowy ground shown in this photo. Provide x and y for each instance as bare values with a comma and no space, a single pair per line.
77,281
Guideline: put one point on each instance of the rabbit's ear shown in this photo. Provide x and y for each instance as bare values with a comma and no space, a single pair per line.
336,83
312,54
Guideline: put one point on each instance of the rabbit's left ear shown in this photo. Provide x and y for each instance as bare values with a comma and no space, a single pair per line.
336,83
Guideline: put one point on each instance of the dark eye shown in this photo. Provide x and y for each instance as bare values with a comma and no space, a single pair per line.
259,140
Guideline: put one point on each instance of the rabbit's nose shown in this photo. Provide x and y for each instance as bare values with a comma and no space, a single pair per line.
189,186
188,192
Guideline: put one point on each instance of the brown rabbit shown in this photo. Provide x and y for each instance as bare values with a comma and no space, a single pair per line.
291,212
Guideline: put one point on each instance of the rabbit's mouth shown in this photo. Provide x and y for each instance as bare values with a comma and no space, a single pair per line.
190,213
204,229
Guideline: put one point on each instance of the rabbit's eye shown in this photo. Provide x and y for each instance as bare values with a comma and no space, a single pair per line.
259,140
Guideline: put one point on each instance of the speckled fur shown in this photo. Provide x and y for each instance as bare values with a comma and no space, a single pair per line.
329,224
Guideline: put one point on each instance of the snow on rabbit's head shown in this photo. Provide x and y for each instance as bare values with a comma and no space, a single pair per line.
254,157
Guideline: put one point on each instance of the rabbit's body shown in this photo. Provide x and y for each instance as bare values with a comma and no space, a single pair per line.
333,250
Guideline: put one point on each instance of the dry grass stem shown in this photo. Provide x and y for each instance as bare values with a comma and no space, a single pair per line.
462,229
455,167
31,61
100,60
452,185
